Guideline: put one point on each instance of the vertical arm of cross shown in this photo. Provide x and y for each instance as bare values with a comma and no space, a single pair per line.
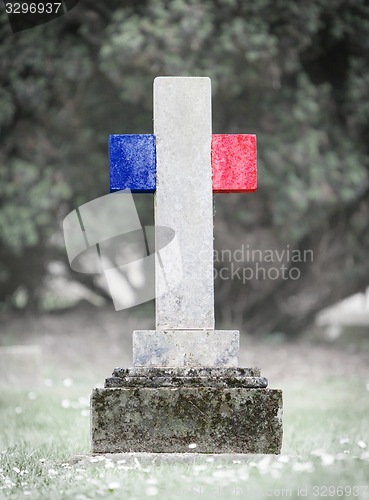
183,200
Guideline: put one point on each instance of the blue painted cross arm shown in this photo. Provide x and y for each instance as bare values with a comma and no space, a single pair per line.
132,159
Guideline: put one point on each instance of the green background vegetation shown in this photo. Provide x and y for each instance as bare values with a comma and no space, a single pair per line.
294,73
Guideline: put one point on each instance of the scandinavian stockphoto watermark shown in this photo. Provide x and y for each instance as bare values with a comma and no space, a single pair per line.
105,237
246,263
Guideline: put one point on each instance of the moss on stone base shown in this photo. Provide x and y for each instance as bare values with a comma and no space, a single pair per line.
218,420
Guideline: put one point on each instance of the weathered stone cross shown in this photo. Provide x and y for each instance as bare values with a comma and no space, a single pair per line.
185,391
184,164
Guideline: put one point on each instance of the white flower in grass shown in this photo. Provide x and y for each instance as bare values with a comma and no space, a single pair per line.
243,474
341,456
303,467
327,460
65,403
264,464
192,446
67,382
218,473
361,444
199,467
276,474
85,413
121,461
26,492
109,465
15,469
210,459
52,472
344,440
94,459
84,402
114,485
277,465
225,474
42,460
318,453
152,491
152,480
18,410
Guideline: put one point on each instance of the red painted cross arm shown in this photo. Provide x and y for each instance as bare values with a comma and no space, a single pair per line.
233,161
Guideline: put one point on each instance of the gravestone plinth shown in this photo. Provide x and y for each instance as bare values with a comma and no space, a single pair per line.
161,410
185,347
185,386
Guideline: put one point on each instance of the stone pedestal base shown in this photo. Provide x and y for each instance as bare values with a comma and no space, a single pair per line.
165,410
185,348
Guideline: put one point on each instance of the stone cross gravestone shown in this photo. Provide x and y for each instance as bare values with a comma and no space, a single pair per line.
185,386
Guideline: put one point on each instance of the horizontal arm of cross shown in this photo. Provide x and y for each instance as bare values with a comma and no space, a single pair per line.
133,163
132,160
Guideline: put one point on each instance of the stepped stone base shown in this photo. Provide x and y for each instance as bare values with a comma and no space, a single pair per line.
165,410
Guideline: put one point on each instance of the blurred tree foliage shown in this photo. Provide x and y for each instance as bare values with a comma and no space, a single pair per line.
294,73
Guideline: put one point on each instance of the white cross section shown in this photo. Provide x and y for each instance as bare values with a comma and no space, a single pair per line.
185,334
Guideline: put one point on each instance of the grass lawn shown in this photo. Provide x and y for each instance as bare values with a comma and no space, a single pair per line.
326,424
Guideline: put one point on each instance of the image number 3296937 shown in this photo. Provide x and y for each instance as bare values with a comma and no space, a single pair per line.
24,15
